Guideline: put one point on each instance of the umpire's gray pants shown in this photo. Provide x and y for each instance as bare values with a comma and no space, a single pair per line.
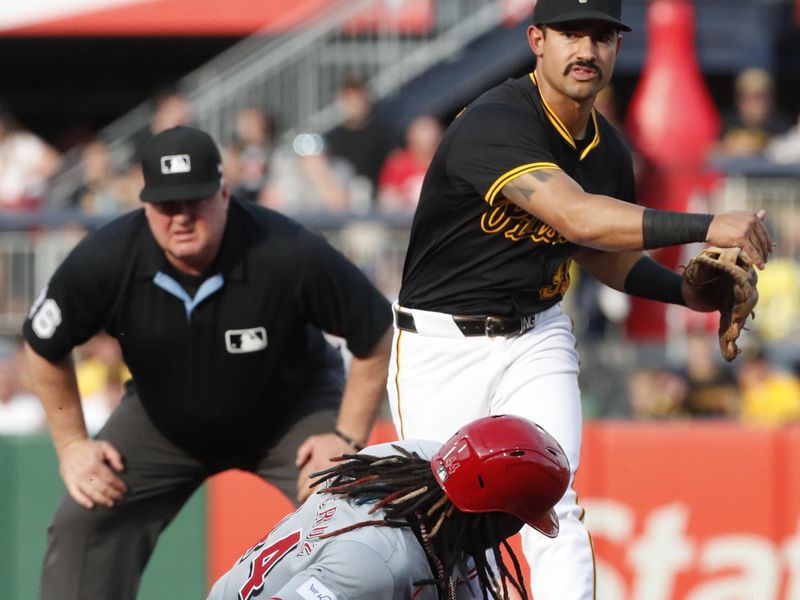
99,554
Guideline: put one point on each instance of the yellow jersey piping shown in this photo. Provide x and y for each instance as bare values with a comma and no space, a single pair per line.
562,129
505,178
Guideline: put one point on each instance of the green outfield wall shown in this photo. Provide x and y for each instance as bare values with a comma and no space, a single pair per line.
29,490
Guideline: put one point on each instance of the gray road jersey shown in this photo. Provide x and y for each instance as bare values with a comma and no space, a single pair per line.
369,563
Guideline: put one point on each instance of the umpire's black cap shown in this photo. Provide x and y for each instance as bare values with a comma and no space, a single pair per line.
182,163
550,12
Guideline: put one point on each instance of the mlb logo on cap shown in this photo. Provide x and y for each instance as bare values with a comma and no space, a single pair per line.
182,163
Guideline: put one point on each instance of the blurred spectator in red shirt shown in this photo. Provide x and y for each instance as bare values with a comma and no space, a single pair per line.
402,174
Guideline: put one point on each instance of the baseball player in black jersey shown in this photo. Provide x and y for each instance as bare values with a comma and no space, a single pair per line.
527,178
218,306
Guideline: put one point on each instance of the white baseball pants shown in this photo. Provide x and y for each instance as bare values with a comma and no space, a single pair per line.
439,380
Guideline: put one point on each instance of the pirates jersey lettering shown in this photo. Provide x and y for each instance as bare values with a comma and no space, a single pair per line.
517,224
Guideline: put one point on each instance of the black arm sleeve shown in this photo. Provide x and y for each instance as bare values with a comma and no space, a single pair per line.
662,228
648,279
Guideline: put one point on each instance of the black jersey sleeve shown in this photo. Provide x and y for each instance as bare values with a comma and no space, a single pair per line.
70,309
337,297
493,144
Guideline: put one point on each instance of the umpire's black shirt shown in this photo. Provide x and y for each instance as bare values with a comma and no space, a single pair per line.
221,369
472,251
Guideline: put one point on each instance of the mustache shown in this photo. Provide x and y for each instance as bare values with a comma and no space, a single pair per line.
584,64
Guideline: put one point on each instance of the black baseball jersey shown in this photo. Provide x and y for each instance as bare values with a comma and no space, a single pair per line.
221,369
472,251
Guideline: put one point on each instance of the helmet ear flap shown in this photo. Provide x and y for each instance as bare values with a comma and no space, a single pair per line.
505,464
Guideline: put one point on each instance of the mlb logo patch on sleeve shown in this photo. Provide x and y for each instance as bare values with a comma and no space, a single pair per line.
314,590
178,163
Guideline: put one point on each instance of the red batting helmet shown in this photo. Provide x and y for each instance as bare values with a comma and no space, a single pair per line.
504,464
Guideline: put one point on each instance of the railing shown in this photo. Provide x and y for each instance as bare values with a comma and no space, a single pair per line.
296,75
397,61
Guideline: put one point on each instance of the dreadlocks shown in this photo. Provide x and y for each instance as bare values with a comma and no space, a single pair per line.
403,486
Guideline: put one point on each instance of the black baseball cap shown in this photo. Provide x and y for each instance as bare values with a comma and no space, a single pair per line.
182,163
550,12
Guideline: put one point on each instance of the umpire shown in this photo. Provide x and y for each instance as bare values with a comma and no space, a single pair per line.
218,306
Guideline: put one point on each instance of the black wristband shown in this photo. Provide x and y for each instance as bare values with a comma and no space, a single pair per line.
651,280
662,228
358,447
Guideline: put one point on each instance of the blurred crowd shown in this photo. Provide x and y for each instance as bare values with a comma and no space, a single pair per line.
757,389
101,374
362,165
756,125
365,166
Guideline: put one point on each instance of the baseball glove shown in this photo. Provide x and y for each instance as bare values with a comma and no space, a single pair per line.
725,279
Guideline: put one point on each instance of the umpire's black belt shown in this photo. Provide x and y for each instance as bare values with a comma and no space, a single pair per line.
472,325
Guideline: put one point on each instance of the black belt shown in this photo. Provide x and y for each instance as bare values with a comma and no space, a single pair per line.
475,325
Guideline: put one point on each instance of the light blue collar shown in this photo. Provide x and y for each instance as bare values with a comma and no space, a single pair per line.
206,289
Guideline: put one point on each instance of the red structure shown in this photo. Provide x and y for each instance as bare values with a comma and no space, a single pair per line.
673,123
